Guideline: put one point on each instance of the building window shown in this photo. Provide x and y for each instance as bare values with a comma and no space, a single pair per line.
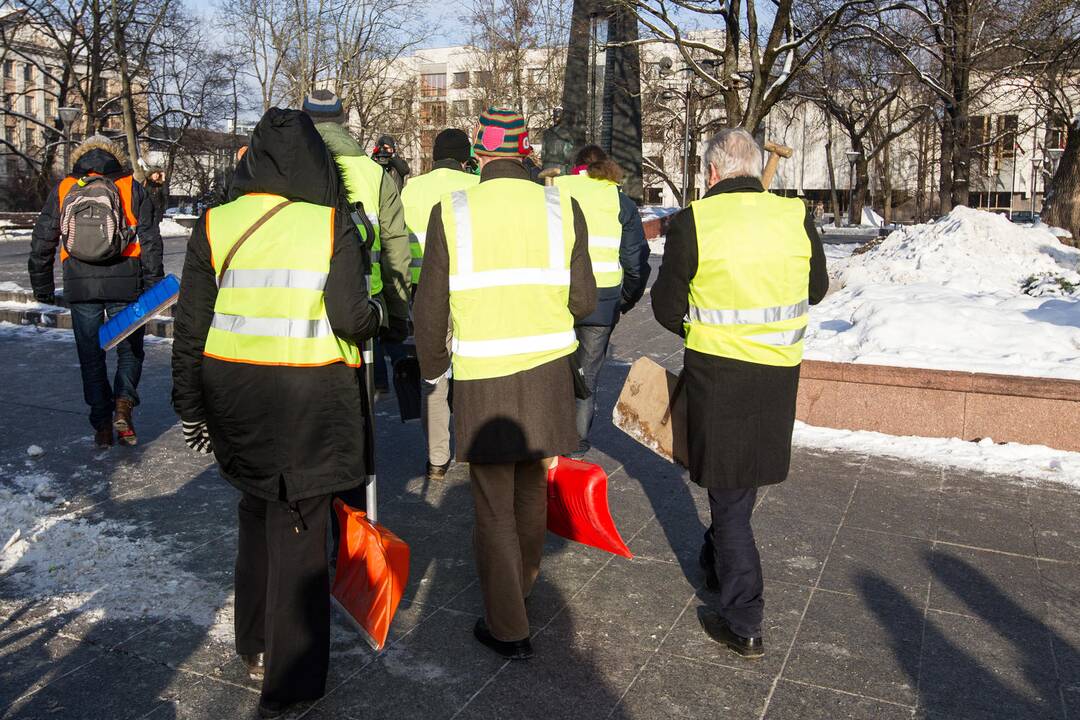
536,75
478,106
482,78
654,196
29,138
433,85
28,105
1006,130
433,113
461,80
9,69
9,101
49,108
9,133
28,72
47,79
12,166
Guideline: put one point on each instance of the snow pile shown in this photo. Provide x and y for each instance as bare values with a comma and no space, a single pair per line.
1029,462
8,286
97,568
171,228
967,250
970,292
652,212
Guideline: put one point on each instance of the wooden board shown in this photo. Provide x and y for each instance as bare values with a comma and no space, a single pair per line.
652,410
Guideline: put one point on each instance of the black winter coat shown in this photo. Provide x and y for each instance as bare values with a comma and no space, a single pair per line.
159,198
121,279
284,433
740,415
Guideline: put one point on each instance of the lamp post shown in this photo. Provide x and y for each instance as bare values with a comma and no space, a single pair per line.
687,96
1036,163
852,156
68,116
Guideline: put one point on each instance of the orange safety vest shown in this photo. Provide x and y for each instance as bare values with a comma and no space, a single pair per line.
123,185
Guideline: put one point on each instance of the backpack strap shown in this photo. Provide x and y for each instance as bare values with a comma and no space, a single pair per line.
248,233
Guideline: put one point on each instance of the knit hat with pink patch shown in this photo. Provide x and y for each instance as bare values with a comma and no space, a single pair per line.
502,133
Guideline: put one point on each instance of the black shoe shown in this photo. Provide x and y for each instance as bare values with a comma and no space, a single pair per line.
705,560
271,709
437,472
717,628
514,650
255,665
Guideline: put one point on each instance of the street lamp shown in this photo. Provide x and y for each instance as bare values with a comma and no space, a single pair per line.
1055,157
665,69
68,116
852,156
1036,163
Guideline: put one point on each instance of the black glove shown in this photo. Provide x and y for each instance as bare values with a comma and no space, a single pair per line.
46,298
197,436
397,331
626,306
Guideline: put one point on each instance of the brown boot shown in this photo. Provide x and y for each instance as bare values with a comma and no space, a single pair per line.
125,428
103,438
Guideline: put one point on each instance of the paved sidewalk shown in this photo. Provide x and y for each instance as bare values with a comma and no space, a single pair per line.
893,590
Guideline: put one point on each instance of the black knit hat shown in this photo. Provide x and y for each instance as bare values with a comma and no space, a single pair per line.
324,106
452,144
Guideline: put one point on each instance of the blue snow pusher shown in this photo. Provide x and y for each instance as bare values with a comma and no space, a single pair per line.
140,312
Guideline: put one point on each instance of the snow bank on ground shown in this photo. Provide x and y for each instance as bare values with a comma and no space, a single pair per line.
11,287
102,569
968,250
651,212
171,228
934,326
1027,462
970,292
28,332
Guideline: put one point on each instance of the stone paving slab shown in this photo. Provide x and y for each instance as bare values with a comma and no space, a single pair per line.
893,589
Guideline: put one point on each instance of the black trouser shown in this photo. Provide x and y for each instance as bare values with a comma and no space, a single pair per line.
86,319
592,349
283,594
735,556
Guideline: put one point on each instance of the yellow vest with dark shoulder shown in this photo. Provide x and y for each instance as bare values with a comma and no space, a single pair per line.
509,243
749,298
419,196
271,306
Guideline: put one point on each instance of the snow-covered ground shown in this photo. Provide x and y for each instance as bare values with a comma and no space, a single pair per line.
170,228
1031,463
971,291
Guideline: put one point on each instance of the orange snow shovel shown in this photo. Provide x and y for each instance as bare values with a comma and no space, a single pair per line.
373,563
578,506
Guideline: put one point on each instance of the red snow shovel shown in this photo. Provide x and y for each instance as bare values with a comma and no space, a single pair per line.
373,563
578,506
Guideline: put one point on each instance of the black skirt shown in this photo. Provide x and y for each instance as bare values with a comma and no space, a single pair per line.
740,417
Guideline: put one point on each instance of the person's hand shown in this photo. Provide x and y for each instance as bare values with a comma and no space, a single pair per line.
626,307
197,436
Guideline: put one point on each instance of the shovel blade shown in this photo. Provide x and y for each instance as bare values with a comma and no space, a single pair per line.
372,571
578,506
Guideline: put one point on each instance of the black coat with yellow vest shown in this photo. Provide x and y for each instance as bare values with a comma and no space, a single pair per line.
279,432
742,413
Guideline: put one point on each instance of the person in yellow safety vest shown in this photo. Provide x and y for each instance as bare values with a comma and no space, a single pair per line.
741,268
620,260
507,263
450,153
271,314
367,183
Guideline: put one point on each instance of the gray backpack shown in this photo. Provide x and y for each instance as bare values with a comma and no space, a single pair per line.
92,223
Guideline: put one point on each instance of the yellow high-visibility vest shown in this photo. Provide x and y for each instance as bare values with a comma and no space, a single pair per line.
599,201
271,307
509,243
419,196
363,183
749,299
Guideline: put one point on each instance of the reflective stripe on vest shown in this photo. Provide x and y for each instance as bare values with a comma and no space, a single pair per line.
599,201
271,307
123,185
418,197
508,300
748,298
363,184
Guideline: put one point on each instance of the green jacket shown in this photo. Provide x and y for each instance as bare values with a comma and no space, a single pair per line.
395,256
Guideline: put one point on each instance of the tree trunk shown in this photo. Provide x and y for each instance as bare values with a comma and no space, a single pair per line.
1061,207
832,172
862,185
127,104
945,183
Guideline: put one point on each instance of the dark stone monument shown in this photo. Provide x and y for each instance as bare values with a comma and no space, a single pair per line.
601,104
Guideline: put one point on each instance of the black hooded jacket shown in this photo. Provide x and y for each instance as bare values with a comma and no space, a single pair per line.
120,279
279,432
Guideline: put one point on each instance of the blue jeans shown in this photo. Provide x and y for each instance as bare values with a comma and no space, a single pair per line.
86,319
592,349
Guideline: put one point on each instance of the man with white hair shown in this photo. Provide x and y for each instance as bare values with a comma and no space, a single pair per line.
741,266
